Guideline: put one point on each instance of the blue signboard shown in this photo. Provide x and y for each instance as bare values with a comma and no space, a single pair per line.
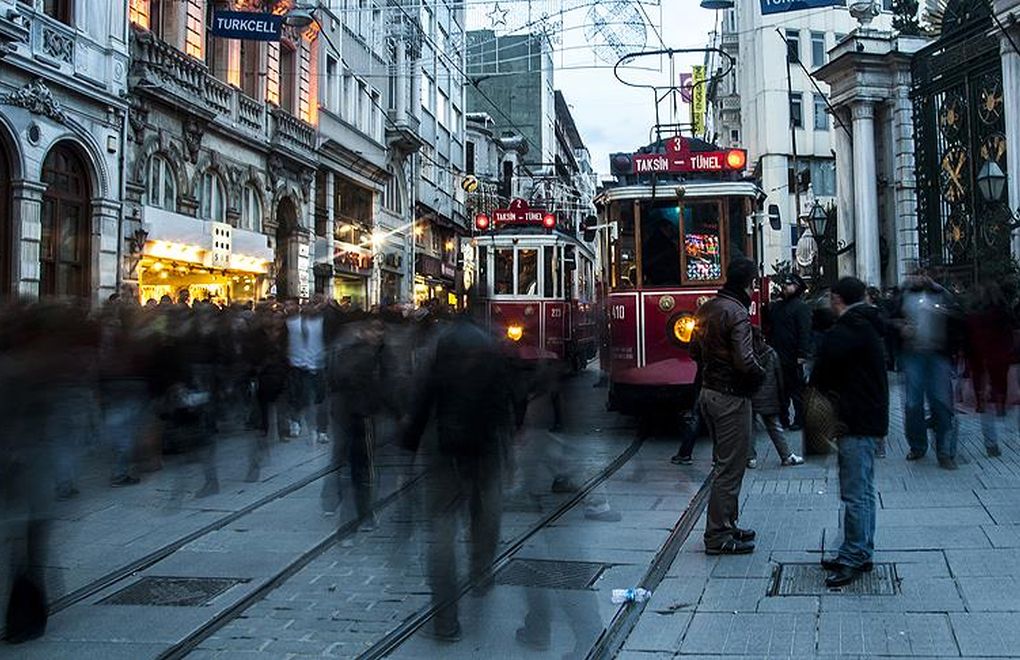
250,26
782,6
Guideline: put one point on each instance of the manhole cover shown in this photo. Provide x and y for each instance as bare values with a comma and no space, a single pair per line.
809,580
549,574
171,591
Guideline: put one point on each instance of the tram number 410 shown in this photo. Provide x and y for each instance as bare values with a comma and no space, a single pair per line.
618,312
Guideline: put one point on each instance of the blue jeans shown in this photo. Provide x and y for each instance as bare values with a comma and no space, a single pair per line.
857,490
929,375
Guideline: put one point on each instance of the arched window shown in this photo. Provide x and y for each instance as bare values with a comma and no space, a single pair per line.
162,184
212,197
251,209
64,244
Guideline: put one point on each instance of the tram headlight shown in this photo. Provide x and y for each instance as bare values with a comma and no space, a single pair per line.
514,332
682,327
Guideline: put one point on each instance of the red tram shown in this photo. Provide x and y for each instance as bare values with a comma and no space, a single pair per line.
678,213
537,281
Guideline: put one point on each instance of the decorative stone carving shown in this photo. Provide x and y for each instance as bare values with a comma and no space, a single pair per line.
138,116
275,168
193,132
38,99
307,178
57,45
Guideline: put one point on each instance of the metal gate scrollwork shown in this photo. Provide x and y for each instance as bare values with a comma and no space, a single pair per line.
959,125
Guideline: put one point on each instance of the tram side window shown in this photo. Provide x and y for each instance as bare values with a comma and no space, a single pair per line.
737,229
702,242
527,272
483,271
660,240
625,263
504,284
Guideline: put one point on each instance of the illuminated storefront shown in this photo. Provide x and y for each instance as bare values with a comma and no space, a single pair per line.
209,260
352,266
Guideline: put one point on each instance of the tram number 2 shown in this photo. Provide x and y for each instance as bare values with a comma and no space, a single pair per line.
618,312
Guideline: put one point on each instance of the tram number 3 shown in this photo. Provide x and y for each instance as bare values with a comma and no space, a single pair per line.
618,312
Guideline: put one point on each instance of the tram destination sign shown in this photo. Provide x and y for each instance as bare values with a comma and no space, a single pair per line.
680,159
520,213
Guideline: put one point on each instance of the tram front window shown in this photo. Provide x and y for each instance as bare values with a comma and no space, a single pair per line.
702,242
527,272
504,281
660,238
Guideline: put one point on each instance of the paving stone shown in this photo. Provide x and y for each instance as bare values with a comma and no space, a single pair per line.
864,633
996,635
760,635
916,595
675,593
939,499
733,595
934,517
1003,536
984,562
991,594
658,632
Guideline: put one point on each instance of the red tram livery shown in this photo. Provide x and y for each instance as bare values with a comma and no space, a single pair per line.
678,213
537,281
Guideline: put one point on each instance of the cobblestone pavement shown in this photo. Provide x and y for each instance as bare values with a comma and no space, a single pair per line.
952,537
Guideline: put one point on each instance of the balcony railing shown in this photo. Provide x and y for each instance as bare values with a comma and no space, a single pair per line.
290,131
155,60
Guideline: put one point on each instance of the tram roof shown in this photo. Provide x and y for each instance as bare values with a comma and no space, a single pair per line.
692,190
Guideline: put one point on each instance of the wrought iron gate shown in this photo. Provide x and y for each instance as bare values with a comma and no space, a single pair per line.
958,125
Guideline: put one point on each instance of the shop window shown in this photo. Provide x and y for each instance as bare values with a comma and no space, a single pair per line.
702,243
162,191
212,197
251,209
527,272
660,243
504,275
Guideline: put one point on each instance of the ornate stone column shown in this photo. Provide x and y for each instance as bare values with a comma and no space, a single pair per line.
26,222
904,177
105,248
866,194
844,192
1011,105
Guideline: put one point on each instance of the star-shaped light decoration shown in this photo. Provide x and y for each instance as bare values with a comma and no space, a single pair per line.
498,15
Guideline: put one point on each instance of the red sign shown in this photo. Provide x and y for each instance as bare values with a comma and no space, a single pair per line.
520,213
679,159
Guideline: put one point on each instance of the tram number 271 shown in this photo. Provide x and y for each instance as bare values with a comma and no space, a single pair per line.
618,312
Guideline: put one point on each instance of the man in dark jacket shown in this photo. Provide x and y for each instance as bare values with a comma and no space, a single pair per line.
467,389
729,376
790,336
850,371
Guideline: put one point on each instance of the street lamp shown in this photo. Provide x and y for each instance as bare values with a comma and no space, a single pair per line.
299,16
818,221
818,218
991,181
717,4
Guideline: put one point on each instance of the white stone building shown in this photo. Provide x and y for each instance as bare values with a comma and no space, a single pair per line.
754,107
63,82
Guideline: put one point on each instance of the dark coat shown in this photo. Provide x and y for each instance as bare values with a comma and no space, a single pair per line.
722,345
790,329
850,369
766,398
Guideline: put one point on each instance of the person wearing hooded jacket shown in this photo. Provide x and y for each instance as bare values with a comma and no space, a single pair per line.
850,371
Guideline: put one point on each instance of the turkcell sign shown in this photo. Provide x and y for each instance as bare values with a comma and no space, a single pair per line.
705,161
246,25
783,6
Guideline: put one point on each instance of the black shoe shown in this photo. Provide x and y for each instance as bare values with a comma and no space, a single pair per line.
842,576
210,488
948,463
914,455
681,460
836,564
65,493
795,427
744,534
444,632
993,451
731,547
564,485
526,637
126,480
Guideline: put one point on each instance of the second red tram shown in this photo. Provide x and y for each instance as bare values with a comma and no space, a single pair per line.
538,285
666,253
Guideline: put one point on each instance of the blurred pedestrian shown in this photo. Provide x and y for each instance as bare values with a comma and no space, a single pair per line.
730,374
790,335
989,355
926,321
765,403
694,427
306,385
850,369
467,390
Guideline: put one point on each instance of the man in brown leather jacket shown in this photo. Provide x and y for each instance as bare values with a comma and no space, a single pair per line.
730,374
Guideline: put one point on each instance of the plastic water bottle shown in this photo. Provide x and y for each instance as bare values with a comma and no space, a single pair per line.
638,595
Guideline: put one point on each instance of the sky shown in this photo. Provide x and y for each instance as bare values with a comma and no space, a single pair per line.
610,116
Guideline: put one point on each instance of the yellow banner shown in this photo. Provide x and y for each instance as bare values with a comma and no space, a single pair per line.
698,100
